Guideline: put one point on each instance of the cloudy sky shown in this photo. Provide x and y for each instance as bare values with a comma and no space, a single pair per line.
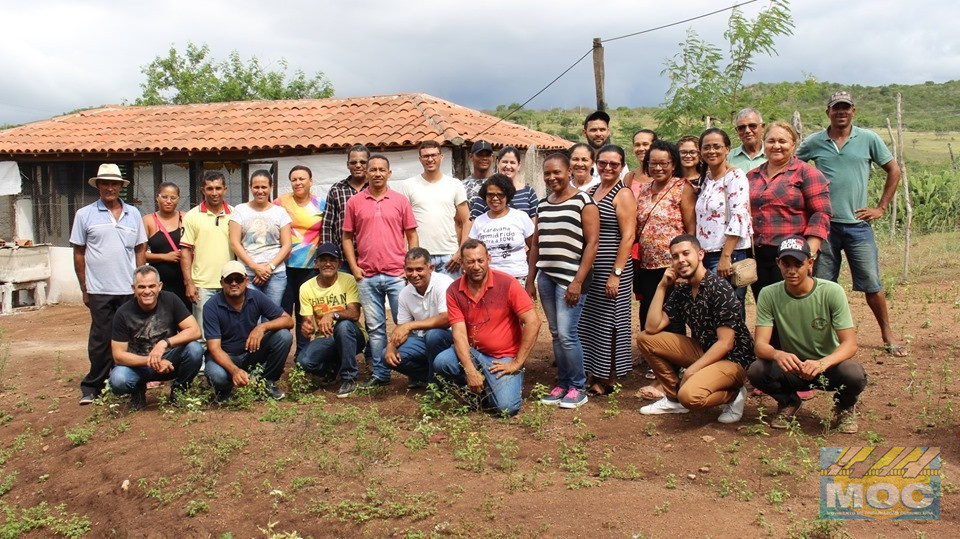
60,56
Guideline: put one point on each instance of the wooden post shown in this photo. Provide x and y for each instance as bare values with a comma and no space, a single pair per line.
797,123
893,203
952,160
906,191
598,72
707,121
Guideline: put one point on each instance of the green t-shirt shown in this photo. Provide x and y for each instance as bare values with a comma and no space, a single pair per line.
320,301
847,169
807,325
738,157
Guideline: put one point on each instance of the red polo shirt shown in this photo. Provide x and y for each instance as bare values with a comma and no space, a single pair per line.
493,319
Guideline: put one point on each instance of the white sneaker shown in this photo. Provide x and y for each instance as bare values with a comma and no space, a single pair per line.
733,411
663,406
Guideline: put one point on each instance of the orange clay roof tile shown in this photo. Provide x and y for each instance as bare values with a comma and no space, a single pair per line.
386,121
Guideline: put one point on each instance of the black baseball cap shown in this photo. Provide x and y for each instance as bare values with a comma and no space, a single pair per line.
329,249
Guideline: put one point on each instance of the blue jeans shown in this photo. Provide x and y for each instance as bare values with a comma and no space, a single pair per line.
374,292
274,287
858,242
417,353
563,320
272,355
333,353
502,394
712,259
186,361
440,261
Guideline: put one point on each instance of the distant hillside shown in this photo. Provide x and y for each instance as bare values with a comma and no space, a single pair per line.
930,107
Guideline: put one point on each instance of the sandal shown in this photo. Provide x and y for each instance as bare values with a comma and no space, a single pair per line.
604,389
895,350
649,393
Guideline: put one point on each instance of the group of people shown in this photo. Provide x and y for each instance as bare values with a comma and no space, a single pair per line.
460,264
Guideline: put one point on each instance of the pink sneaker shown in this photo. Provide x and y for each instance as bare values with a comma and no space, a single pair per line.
806,395
554,397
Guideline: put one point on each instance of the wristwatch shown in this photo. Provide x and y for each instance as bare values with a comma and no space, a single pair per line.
618,271
272,267
336,316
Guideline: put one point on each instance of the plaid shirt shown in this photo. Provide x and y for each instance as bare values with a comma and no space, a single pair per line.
715,305
794,202
332,230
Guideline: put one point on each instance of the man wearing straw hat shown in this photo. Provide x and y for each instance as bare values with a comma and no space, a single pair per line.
108,244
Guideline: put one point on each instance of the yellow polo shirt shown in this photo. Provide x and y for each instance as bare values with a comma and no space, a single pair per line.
208,234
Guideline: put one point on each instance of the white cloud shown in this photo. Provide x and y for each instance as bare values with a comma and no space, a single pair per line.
59,56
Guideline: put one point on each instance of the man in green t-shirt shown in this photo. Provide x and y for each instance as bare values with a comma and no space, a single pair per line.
817,340
844,153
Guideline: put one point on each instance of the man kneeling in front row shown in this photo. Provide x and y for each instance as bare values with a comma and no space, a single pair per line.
423,328
716,358
330,307
494,329
154,338
237,341
817,340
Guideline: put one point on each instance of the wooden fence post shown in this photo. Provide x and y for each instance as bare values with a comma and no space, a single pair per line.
908,207
896,196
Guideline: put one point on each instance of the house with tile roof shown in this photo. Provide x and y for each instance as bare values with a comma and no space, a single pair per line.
177,143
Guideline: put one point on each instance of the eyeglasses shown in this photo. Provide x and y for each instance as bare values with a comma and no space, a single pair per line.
744,127
711,147
357,162
660,164
235,278
688,152
497,195
608,164
429,156
168,197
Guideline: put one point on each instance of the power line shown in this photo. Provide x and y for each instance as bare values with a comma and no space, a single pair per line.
590,50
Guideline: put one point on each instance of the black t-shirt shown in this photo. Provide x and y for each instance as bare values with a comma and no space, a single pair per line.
142,329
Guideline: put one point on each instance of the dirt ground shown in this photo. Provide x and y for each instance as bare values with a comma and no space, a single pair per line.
391,464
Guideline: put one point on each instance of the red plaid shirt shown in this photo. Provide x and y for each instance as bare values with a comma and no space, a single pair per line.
794,202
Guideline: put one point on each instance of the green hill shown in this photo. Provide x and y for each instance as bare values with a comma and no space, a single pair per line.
931,113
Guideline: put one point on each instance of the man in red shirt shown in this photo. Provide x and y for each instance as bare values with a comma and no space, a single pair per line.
494,329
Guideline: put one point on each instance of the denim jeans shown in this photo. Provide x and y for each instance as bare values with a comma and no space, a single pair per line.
563,320
440,263
417,353
712,259
858,242
337,352
272,355
274,287
502,394
374,291
291,302
186,361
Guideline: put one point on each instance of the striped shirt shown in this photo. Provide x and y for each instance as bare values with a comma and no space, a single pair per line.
560,237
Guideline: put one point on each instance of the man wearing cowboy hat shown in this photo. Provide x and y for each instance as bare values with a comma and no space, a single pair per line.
108,244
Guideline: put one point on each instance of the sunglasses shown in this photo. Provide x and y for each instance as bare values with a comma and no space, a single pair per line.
234,278
744,127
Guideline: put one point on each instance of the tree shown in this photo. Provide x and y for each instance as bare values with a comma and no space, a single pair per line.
192,77
700,86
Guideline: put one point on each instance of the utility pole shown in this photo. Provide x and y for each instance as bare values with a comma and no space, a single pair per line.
598,72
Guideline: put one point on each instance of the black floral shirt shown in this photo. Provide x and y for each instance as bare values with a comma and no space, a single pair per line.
716,305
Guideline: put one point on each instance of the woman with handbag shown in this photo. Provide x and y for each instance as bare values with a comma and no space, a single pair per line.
164,228
724,228
666,208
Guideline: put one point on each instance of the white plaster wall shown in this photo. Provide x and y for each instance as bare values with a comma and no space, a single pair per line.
63,286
